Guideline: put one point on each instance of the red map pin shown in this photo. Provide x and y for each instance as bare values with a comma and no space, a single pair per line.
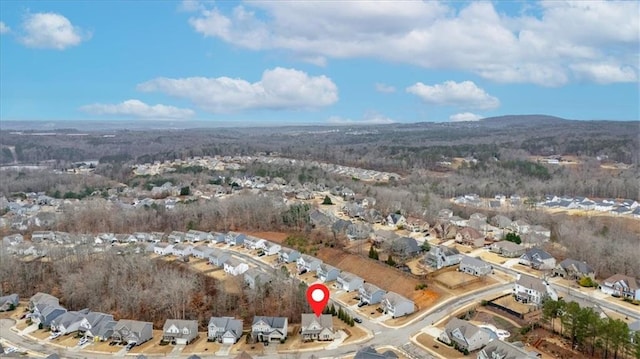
318,297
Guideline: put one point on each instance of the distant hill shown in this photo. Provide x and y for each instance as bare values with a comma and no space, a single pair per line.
523,120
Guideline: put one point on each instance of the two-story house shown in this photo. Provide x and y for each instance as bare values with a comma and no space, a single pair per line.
574,269
530,290
219,257
317,328
498,349
180,332
348,281
98,326
442,256
507,249
620,285
370,294
235,267
254,277
327,273
396,305
163,248
464,335
288,255
469,236
538,259
475,266
132,331
68,322
202,251
307,263
267,329
225,330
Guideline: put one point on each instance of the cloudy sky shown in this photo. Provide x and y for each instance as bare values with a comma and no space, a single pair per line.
333,62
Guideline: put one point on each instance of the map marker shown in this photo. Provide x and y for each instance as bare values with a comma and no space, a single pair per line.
318,297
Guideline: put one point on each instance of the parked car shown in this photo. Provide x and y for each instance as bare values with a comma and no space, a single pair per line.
83,341
357,320
54,335
361,304
130,346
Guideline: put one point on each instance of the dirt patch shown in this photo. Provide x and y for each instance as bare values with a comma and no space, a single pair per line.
510,303
153,346
431,344
104,347
382,275
455,279
355,333
417,267
201,345
277,237
492,257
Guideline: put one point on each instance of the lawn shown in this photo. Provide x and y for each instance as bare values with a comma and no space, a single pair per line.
201,345
431,344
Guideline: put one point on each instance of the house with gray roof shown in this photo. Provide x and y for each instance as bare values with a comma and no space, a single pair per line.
9,302
288,255
507,249
348,281
475,266
267,329
68,322
370,293
254,277
442,256
396,305
532,290
218,257
327,273
405,247
574,269
235,266
538,259
369,352
317,328
465,336
498,349
132,331
308,263
179,331
202,251
44,314
97,325
235,240
225,330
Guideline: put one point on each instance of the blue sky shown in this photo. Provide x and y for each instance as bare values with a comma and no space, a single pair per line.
333,62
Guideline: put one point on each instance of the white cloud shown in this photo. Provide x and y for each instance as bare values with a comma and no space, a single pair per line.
385,88
190,6
465,116
278,89
137,108
538,46
4,29
458,94
51,31
604,73
369,118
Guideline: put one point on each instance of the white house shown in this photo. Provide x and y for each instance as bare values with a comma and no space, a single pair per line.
317,328
235,267
532,290
538,259
266,329
464,335
621,285
182,250
474,266
308,263
270,248
288,255
370,294
327,273
163,248
348,281
396,305
225,330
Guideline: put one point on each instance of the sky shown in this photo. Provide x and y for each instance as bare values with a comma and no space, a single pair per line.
318,62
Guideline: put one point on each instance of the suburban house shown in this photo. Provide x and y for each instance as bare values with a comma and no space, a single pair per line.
253,277
442,256
464,336
308,263
470,237
538,259
163,248
179,331
270,248
182,250
202,251
475,266
219,238
176,237
405,247
235,267
252,242
369,352
288,255
531,290
507,249
620,285
267,329
396,305
498,349
370,294
9,302
13,239
42,298
396,220
218,257
317,328
44,314
98,326
235,240
132,331
225,330
327,273
68,322
348,281
38,236
197,236
573,269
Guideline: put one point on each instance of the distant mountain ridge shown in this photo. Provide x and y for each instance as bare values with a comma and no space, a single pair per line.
524,120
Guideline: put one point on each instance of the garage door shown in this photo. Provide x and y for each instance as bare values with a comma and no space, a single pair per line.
181,341
228,341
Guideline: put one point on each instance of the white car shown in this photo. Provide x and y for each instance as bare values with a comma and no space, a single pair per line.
83,341
54,335
10,350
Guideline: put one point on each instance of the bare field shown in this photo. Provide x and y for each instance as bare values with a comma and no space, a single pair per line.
382,275
104,347
201,345
277,237
431,344
455,279
511,303
492,257
153,346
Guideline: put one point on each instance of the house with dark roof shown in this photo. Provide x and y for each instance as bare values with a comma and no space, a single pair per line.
507,249
620,285
442,256
369,352
9,302
405,247
574,269
97,325
498,349
132,331
179,331
538,259
469,236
